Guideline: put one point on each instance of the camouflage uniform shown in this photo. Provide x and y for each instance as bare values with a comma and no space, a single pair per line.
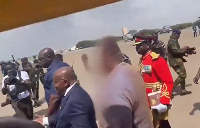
175,58
34,79
40,70
159,48
41,75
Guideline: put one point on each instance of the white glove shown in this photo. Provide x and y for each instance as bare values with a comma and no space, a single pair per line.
161,108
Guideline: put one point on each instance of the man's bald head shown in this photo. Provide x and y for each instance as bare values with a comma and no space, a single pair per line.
64,78
46,56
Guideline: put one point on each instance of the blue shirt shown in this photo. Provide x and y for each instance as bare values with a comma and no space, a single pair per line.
48,78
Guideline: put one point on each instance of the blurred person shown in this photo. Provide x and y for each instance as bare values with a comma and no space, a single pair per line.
121,101
48,60
157,77
18,123
34,79
76,107
16,85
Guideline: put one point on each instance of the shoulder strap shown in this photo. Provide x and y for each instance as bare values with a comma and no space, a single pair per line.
154,55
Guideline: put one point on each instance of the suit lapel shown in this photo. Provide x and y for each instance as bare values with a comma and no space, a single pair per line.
67,96
64,100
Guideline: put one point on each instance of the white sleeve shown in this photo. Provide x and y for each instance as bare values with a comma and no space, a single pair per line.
45,121
24,75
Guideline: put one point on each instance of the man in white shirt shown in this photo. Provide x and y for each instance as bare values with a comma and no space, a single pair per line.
16,86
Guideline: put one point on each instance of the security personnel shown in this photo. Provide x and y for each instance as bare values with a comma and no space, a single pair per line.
59,57
24,61
176,60
159,46
17,86
157,77
40,70
34,79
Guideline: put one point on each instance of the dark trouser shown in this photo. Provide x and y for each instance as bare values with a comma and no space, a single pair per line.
35,90
23,108
195,34
181,71
164,124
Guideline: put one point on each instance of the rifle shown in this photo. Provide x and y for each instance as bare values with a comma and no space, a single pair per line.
16,63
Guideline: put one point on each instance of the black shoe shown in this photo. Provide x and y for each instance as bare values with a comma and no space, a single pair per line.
174,94
185,92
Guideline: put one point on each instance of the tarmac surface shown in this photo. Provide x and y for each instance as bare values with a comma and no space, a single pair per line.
185,112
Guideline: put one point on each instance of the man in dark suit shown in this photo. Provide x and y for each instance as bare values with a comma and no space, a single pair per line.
76,109
48,60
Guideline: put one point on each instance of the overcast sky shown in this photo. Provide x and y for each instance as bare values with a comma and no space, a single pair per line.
66,31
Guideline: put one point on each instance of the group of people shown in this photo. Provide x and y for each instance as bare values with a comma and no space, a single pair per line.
194,27
122,100
20,84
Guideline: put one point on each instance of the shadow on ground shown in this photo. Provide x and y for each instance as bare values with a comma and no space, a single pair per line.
196,108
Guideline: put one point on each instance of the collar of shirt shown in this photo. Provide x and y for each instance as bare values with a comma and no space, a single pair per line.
69,88
54,62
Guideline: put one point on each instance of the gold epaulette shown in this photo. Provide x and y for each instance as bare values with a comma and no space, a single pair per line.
154,55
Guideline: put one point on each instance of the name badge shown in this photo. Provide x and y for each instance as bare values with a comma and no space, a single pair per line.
146,69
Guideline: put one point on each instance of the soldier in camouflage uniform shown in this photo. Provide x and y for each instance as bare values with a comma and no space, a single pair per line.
175,58
34,79
40,69
159,47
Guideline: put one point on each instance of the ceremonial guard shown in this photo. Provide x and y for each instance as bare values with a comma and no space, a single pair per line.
157,46
157,77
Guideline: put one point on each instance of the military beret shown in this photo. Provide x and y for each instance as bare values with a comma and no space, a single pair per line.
176,31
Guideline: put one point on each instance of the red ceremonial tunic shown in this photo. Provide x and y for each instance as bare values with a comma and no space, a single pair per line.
155,72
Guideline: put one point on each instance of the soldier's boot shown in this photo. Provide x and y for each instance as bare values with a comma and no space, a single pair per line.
176,83
184,91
